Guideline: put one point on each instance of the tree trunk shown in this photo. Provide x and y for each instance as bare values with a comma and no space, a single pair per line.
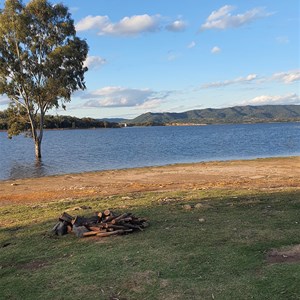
37,134
38,153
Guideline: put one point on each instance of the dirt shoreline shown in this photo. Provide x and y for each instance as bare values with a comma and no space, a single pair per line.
265,174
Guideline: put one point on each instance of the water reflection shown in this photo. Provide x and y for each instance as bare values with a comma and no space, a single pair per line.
29,169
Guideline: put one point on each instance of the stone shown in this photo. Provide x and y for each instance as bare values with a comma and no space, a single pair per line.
187,206
198,205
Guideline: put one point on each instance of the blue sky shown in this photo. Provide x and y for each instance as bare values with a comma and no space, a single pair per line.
173,55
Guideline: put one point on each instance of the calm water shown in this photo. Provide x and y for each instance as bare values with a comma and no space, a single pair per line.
72,151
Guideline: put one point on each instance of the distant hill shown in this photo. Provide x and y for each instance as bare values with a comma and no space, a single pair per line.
237,114
113,120
231,115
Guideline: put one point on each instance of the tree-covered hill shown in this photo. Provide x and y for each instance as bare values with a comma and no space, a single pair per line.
237,114
63,122
231,115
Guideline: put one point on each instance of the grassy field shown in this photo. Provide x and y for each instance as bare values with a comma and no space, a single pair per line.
215,251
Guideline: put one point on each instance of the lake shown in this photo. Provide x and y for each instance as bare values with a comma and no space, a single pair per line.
73,151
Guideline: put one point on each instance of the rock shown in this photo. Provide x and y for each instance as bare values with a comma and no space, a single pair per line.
198,205
187,207
201,220
79,208
74,208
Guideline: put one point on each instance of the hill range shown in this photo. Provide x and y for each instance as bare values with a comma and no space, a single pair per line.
231,115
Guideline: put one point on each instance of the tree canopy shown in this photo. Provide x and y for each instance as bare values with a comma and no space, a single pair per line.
41,61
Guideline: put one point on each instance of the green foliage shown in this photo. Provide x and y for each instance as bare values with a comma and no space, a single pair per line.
15,119
3,120
177,257
41,59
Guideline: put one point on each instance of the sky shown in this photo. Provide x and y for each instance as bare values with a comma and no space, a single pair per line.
174,55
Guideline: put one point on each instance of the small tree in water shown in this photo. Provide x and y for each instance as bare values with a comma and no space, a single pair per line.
41,63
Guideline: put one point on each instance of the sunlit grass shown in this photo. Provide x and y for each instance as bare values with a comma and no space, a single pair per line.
222,256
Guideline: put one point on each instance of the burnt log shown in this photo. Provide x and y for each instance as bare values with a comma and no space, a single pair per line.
79,221
116,232
125,216
61,228
92,220
116,226
80,230
107,213
66,217
101,224
109,219
99,215
121,221
145,225
90,233
131,226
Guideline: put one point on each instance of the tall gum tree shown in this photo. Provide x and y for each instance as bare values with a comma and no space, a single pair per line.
41,61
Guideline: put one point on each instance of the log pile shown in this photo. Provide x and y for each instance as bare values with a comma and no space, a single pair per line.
101,224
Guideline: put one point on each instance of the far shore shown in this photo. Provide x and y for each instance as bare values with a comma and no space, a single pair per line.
259,174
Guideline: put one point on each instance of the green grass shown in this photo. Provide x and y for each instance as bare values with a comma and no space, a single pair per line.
177,257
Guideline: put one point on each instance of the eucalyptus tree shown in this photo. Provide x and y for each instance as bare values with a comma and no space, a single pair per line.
41,62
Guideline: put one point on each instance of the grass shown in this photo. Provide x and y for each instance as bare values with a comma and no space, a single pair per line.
177,257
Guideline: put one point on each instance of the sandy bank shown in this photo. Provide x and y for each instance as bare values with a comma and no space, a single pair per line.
249,174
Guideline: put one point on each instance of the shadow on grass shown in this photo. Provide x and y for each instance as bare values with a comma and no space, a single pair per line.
177,257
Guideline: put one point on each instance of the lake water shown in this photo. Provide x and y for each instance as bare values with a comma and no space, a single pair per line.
73,151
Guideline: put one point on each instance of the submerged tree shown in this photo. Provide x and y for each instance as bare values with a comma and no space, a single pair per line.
41,62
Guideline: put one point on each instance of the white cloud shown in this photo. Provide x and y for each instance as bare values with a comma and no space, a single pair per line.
215,50
128,26
191,45
133,25
287,77
220,13
269,99
91,22
114,96
239,80
150,104
176,26
94,62
223,19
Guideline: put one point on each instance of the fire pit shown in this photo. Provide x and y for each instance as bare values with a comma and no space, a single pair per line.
101,224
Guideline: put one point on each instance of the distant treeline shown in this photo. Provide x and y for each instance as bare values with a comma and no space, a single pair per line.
64,122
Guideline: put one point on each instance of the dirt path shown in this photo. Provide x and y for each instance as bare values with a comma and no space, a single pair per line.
252,174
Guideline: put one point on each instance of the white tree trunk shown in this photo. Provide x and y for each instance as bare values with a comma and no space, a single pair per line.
38,153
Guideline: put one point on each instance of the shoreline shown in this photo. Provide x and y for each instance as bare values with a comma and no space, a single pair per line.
170,125
151,166
261,173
